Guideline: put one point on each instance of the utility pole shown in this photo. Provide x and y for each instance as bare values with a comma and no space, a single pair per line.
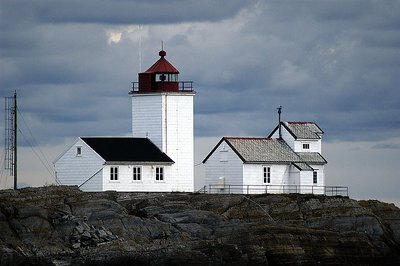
15,140
11,134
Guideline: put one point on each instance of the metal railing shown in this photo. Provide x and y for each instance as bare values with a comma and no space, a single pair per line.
276,189
184,86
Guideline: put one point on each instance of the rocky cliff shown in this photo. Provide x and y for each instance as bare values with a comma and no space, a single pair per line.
64,226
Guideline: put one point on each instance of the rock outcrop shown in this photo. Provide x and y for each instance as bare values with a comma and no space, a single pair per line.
64,226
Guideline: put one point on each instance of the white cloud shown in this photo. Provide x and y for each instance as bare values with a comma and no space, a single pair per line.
114,37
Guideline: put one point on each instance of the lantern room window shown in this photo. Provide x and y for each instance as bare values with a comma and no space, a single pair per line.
163,77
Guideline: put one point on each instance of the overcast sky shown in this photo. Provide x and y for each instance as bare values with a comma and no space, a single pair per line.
333,62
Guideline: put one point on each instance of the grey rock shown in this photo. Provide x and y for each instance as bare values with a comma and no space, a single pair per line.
47,226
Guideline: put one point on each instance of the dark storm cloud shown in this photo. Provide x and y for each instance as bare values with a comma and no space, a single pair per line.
336,64
119,11
333,62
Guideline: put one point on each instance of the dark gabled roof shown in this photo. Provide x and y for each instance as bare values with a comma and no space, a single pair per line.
301,130
259,150
125,149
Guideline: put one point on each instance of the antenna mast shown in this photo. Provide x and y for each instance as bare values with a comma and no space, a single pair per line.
11,136
279,121
140,47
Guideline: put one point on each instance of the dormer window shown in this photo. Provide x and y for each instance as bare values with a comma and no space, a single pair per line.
306,146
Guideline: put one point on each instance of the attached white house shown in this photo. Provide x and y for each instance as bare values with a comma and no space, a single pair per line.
115,163
305,138
158,157
291,163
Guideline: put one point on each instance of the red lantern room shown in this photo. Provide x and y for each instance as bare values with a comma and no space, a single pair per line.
162,76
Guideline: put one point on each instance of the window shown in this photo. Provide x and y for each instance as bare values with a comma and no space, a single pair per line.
78,151
306,146
159,173
161,77
267,175
315,177
137,173
166,77
114,173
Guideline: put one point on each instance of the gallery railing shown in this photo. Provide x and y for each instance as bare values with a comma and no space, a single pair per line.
276,189
183,86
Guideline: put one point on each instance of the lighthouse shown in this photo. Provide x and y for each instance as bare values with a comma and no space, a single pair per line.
162,111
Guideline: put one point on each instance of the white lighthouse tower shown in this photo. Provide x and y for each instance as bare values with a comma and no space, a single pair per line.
162,110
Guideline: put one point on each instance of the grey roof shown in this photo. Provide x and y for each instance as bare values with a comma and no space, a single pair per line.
312,157
269,150
304,130
300,130
303,166
263,149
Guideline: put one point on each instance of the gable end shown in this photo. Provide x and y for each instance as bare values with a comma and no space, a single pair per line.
229,144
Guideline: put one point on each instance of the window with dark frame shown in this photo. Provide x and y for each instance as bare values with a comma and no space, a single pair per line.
159,173
315,177
306,146
78,151
267,174
164,77
114,173
137,173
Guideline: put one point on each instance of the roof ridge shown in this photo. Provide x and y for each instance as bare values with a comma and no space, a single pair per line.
249,138
301,123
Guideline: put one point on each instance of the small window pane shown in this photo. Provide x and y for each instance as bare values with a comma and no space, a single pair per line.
137,173
114,173
159,173
267,174
315,177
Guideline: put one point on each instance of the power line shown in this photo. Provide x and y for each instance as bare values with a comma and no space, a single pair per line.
2,171
37,155
42,157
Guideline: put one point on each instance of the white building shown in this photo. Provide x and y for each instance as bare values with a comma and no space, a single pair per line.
113,163
290,163
162,113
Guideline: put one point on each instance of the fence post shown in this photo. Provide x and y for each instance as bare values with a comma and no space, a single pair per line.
229,189
247,189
